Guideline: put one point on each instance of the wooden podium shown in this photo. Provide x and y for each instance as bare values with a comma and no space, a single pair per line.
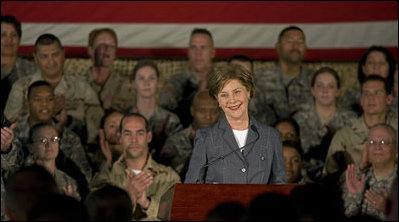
192,202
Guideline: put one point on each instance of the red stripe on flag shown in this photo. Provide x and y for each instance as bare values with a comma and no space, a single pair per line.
201,11
313,55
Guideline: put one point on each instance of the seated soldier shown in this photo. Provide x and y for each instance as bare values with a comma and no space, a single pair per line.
284,87
163,123
320,119
72,158
13,67
44,146
288,129
293,156
109,144
347,145
135,171
367,194
178,92
179,147
377,60
74,96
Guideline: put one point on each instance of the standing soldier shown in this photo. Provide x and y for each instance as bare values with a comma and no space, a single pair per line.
284,87
179,91
110,86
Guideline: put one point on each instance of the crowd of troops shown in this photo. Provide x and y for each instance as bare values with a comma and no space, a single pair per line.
94,115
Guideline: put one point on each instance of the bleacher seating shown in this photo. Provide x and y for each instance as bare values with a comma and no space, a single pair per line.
346,70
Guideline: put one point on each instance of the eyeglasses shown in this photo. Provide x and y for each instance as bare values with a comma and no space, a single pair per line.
383,143
46,141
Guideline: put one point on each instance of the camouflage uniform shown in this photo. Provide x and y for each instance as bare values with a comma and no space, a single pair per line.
302,180
8,163
354,204
263,113
181,147
350,139
9,76
351,100
23,67
178,94
163,123
316,137
312,130
10,158
70,145
163,179
118,86
179,86
81,102
282,100
63,180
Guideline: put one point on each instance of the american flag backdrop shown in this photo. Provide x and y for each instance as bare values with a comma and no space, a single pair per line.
335,30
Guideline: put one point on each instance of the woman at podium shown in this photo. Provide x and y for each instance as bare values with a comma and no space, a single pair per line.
237,149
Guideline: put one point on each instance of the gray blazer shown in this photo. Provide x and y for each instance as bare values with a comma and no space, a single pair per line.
261,162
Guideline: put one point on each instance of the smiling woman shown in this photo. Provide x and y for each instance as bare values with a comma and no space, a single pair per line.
237,149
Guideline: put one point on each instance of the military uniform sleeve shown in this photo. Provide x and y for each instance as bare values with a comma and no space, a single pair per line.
15,102
13,157
336,145
262,111
270,96
180,152
124,94
77,153
171,93
173,125
101,178
93,114
75,191
25,67
166,182
63,181
352,203
349,98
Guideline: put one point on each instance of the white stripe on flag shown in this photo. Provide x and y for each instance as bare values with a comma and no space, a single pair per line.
153,35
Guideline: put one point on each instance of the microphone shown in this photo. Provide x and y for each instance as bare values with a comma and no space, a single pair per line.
201,175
